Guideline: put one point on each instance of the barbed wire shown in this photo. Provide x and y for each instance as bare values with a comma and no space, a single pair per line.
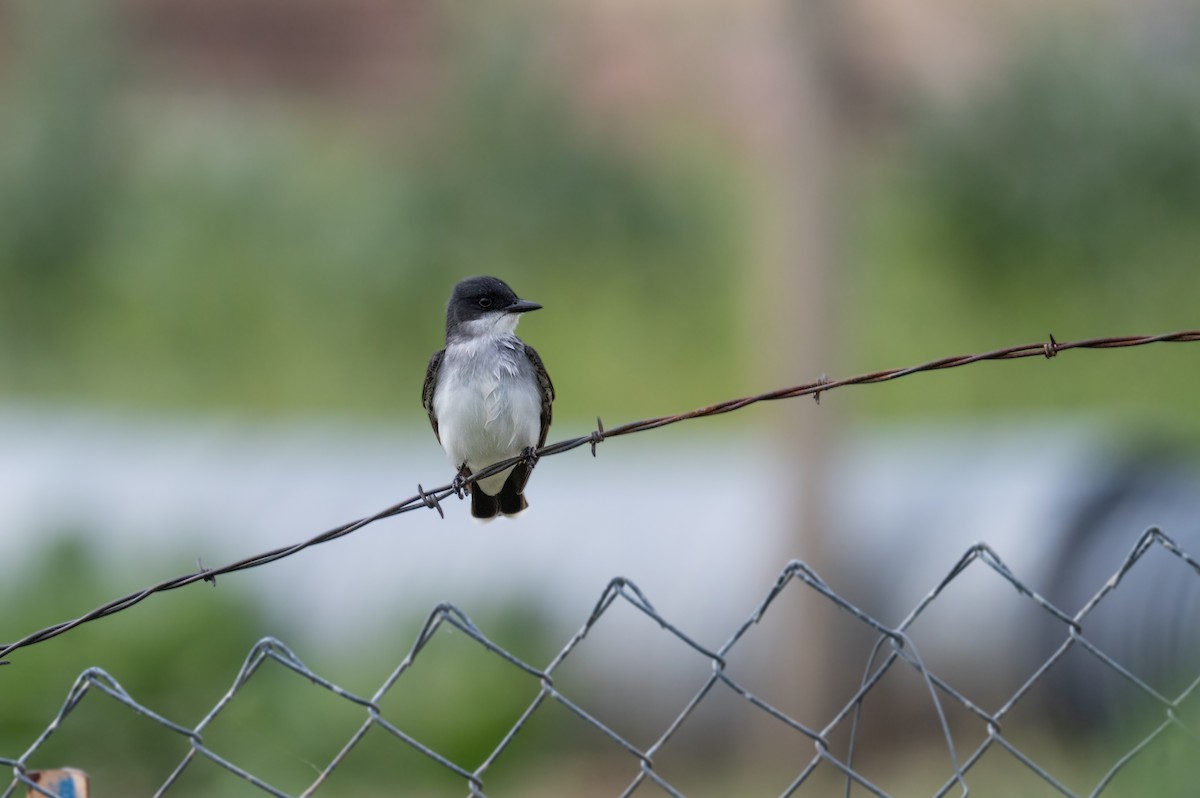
431,499
894,648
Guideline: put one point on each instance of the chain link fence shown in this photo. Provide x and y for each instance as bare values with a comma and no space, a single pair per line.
823,759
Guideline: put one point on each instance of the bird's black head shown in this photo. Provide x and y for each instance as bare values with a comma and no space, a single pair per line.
480,305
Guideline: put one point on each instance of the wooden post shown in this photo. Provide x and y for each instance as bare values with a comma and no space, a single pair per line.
800,224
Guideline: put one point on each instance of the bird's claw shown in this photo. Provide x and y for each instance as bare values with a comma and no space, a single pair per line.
459,483
530,456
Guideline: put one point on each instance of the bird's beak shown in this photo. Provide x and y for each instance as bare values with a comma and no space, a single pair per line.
521,306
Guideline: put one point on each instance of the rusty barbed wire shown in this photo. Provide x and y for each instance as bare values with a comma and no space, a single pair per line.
431,499
894,649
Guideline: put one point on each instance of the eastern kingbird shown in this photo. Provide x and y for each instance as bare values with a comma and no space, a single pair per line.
487,393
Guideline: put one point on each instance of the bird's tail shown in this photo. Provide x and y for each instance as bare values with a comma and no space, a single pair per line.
511,500
484,506
512,493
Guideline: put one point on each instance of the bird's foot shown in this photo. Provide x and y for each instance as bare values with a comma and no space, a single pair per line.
529,456
459,483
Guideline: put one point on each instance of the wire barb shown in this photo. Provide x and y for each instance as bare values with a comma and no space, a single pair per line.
597,435
206,574
1051,348
431,500
822,380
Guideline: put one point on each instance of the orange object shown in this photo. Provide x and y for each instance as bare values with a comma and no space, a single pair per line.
63,782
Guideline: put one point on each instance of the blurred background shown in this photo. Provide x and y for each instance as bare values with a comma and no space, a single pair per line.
228,230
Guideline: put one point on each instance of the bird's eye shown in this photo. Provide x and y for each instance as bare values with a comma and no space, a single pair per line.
485,302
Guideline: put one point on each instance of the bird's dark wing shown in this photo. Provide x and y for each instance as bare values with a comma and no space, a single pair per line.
511,499
431,376
545,387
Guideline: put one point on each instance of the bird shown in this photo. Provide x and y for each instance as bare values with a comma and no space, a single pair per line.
488,395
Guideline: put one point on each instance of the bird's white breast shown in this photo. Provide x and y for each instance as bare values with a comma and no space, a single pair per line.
487,402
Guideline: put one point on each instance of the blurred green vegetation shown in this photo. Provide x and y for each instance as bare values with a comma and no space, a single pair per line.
296,258
1059,198
198,253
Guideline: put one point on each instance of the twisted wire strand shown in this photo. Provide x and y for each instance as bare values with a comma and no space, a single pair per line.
431,499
